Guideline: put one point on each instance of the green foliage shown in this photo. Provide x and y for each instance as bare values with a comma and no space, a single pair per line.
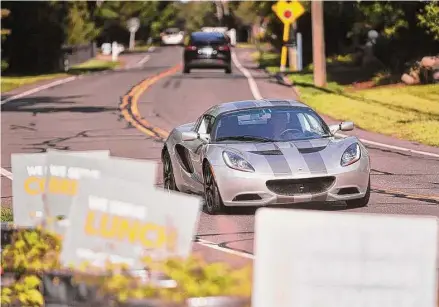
429,18
167,19
196,14
6,213
4,32
33,252
24,291
118,12
246,13
80,29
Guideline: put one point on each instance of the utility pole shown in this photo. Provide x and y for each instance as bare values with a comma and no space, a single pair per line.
318,43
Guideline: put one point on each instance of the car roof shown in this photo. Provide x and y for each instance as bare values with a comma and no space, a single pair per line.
206,35
253,104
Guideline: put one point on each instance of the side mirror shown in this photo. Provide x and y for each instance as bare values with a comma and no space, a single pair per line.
347,126
343,126
189,136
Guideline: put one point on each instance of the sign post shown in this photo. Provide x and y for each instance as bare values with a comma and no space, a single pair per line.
288,12
133,25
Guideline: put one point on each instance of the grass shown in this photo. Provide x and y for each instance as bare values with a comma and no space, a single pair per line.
9,83
406,112
6,215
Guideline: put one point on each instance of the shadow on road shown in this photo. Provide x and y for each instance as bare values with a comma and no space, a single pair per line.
215,75
29,105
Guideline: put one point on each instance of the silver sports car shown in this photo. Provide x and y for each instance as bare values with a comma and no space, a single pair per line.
265,152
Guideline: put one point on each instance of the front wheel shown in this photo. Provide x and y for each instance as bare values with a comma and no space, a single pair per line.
168,173
212,197
360,202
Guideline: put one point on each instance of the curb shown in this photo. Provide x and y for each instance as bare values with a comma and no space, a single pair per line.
283,80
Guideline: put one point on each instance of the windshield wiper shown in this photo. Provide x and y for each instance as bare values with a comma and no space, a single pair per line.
245,138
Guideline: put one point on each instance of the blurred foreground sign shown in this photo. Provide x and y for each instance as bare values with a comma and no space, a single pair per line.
306,259
66,171
120,221
28,186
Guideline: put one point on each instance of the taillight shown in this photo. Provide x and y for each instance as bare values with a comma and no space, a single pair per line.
191,48
224,48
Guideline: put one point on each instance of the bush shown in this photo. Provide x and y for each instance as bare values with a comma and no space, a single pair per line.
31,261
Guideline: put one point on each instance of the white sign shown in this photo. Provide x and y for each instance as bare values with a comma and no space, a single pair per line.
310,258
133,24
106,48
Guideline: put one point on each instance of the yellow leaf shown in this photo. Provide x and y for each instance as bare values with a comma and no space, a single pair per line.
35,297
32,281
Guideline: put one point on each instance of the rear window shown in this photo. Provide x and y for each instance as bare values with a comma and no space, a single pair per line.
208,38
172,31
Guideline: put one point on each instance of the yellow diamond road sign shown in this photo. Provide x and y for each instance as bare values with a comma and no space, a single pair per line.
288,11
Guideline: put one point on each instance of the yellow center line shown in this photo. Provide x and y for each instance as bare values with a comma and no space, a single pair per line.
134,117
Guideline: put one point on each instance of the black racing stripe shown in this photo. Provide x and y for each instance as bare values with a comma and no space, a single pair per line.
313,160
278,163
244,104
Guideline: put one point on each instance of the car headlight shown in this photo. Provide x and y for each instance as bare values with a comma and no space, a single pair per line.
351,155
237,162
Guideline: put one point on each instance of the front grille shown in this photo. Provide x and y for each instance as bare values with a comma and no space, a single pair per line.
291,187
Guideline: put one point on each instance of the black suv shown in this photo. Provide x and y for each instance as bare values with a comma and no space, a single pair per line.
207,50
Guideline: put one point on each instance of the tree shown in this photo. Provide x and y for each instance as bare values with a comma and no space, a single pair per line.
196,14
112,16
429,18
4,32
79,27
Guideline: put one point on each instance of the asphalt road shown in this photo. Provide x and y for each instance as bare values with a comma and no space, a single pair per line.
83,115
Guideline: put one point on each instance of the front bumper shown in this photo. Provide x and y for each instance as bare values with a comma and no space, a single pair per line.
239,188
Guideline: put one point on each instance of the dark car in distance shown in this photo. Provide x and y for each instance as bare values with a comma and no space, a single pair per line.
207,50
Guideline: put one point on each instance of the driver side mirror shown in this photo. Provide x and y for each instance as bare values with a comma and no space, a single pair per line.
343,126
189,136
192,136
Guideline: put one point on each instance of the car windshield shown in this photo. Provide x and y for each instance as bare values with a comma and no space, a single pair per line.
275,124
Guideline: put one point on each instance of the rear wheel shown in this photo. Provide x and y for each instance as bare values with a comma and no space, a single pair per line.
168,173
360,202
212,197
229,69
186,70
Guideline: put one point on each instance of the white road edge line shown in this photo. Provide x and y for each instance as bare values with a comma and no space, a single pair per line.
214,245
140,63
39,88
257,95
144,60
251,81
6,173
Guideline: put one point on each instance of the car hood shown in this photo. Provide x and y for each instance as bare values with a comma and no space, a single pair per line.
318,156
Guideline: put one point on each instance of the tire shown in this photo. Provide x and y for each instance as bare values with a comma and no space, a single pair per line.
228,70
212,198
168,173
186,70
360,202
